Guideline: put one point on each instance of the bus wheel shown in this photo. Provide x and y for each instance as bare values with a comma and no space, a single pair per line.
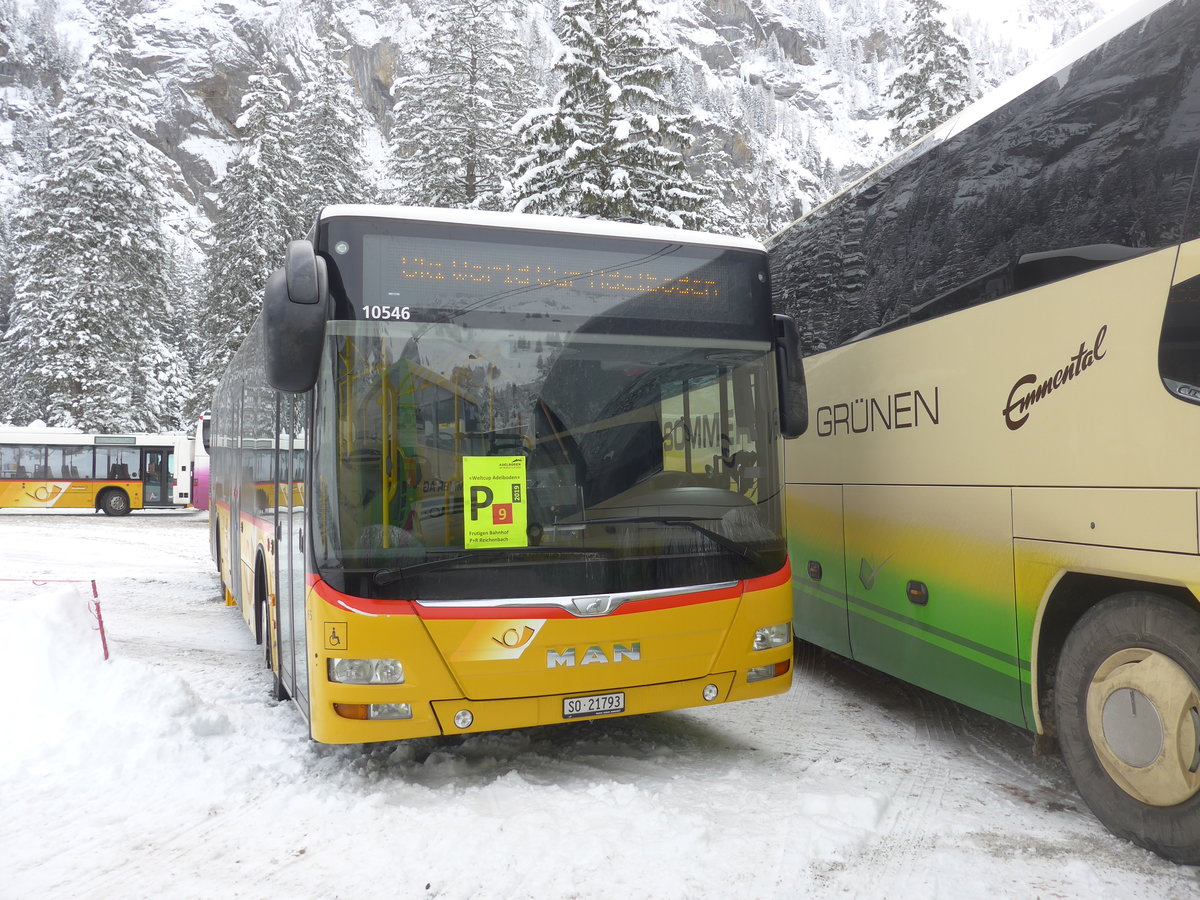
115,502
1128,712
278,691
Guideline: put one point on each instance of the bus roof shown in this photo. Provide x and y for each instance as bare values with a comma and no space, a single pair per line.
13,434
1053,63
531,222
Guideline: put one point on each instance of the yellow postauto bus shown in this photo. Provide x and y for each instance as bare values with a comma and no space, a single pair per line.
528,471
61,468
996,499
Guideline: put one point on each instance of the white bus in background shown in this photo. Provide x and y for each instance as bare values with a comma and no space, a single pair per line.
61,468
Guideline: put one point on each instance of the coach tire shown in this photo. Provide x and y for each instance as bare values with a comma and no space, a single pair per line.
115,502
1127,706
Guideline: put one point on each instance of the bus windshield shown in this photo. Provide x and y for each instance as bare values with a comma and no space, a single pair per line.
638,463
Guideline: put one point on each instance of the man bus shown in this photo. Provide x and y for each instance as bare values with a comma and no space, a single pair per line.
526,470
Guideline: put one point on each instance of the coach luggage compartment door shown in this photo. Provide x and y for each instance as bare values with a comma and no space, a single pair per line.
817,552
931,590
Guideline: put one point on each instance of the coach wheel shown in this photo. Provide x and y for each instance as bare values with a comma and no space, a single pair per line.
115,502
1127,704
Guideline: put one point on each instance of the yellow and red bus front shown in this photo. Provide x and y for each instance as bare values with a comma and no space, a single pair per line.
387,670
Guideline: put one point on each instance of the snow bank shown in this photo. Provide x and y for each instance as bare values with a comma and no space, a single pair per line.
168,772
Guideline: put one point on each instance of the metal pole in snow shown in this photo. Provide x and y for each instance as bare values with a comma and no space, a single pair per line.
94,606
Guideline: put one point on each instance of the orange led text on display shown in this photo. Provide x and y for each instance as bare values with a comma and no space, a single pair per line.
417,268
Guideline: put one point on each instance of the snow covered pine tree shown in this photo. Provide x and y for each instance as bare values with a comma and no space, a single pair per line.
935,81
610,145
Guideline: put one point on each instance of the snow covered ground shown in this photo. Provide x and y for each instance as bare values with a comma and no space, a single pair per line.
167,772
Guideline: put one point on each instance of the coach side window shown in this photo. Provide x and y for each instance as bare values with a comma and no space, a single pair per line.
1179,347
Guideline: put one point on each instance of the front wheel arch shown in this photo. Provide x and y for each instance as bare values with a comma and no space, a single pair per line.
263,631
1070,600
261,619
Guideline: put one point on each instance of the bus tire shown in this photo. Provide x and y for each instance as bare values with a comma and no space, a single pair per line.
278,691
266,635
115,502
1127,707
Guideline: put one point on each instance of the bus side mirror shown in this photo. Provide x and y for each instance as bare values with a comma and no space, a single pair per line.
789,368
295,307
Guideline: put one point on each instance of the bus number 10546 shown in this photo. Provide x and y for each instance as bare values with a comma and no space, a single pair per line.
400,313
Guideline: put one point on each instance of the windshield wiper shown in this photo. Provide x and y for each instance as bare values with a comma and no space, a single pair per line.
736,547
388,576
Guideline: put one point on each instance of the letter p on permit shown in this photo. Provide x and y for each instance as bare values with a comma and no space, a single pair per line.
481,498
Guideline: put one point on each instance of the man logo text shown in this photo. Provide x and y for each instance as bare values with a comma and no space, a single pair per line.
618,653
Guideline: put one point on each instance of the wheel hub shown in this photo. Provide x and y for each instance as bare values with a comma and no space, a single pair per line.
1132,727
1143,713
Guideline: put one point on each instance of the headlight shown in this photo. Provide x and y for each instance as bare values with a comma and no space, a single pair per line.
762,673
772,636
366,671
373,711
390,711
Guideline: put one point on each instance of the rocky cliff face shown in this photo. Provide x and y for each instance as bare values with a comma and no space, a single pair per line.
800,85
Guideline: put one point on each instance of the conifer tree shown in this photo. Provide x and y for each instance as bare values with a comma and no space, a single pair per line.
259,209
329,131
92,302
8,28
452,142
6,280
37,63
610,145
935,81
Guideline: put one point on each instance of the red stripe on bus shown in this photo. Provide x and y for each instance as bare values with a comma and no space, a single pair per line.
255,520
774,580
369,607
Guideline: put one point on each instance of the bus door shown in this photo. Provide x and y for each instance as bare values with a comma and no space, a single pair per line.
930,589
158,476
